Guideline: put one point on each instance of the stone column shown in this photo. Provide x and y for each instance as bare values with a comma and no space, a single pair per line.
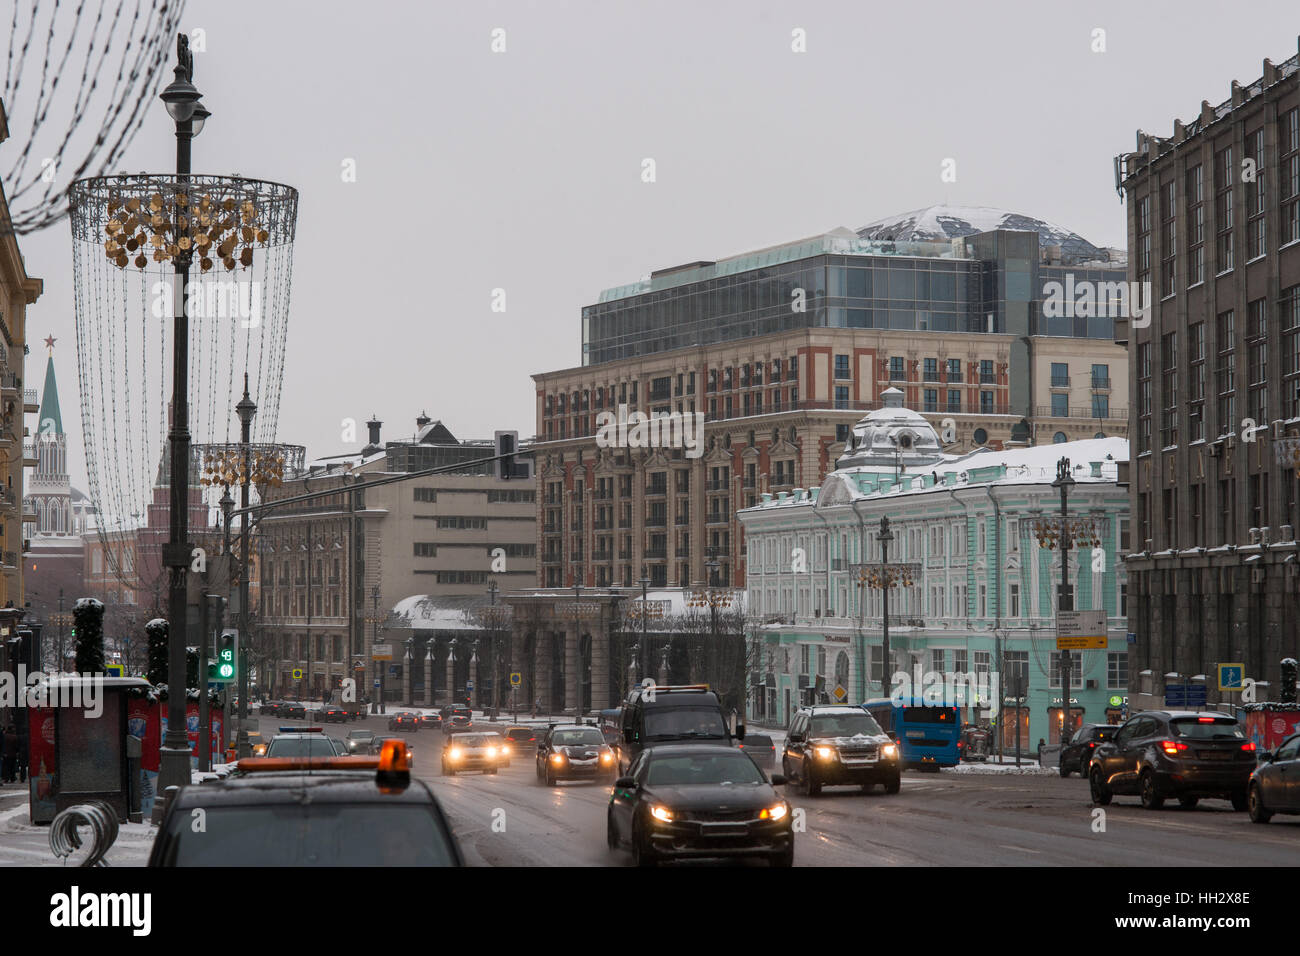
451,674
542,668
572,670
428,676
407,661
473,676
600,668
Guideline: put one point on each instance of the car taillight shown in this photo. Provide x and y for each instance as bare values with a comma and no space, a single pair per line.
1172,747
1091,745
1249,746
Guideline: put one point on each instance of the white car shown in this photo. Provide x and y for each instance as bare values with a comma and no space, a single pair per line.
473,751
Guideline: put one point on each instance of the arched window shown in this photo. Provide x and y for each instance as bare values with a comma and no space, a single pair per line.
1059,438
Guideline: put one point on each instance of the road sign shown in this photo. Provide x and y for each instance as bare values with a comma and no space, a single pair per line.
1184,695
376,683
1230,676
297,673
382,652
516,678
115,670
840,692
469,685
1080,630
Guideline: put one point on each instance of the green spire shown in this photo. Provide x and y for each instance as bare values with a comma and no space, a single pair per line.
50,402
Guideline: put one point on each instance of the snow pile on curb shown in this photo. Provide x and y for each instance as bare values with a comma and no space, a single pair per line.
995,768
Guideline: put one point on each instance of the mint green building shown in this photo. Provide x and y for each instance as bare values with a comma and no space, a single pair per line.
981,594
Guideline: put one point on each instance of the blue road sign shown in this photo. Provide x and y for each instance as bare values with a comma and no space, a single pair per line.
376,683
1230,676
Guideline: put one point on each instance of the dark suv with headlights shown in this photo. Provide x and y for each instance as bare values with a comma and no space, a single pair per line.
1159,754
837,744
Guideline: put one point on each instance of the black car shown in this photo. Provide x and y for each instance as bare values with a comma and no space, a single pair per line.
271,708
761,748
1275,784
688,713
699,801
834,744
1077,754
357,812
457,718
404,721
358,741
293,709
433,721
574,751
1159,754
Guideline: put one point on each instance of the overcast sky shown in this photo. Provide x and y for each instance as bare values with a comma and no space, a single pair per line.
522,170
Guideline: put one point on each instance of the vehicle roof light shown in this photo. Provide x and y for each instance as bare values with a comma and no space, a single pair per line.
1205,720
269,764
394,774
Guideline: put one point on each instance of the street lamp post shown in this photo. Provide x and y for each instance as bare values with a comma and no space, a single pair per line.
884,577
577,646
643,651
374,639
714,597
182,101
246,409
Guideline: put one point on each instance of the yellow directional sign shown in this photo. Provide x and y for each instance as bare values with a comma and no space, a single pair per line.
1080,630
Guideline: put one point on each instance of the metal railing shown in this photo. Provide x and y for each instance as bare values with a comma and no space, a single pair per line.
1060,381
1073,411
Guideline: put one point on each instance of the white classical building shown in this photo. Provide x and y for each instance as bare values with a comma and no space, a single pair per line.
981,597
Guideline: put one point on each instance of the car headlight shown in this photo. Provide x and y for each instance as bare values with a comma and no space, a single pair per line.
505,751
662,814
455,753
774,813
826,753
557,758
606,758
889,750
492,751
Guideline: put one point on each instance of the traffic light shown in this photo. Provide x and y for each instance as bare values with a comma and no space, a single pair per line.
507,443
227,668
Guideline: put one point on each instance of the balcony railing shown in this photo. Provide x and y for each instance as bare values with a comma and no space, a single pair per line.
656,554
684,552
682,520
1100,383
602,556
656,521
1112,414
1060,381
656,490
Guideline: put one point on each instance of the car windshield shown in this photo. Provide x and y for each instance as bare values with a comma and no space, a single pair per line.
685,722
362,734
313,834
300,747
471,740
707,769
845,725
1200,728
519,734
571,738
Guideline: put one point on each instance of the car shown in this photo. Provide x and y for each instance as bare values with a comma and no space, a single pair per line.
358,741
292,709
1158,754
271,708
404,720
574,751
683,801
377,747
433,721
690,713
761,748
1077,754
257,743
304,742
521,740
1275,783
333,714
312,811
473,751
457,718
836,744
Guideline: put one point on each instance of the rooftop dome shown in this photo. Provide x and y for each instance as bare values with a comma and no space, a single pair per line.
892,436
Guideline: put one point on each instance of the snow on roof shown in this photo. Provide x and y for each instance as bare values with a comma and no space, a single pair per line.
942,221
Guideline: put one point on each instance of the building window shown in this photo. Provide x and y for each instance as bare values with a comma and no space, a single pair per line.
842,366
1060,406
1289,319
1013,600
426,549
930,400
1168,241
1143,214
1224,174
986,402
954,400
1195,226
1288,142
1255,197
1116,671
841,396
954,370
1054,668
1123,600
897,371
1223,373
1196,381
931,373
1257,360
1169,389
1101,406
986,372
1060,375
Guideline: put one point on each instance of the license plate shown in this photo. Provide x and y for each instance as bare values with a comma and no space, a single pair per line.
725,829
1215,755
916,733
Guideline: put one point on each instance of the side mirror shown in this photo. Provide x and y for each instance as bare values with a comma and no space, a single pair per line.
740,731
625,783
1266,757
778,780
795,738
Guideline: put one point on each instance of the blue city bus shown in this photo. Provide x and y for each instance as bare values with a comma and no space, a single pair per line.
927,734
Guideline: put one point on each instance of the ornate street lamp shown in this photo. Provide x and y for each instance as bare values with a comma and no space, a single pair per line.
884,577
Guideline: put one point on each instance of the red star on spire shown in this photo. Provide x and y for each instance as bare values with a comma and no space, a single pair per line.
49,342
